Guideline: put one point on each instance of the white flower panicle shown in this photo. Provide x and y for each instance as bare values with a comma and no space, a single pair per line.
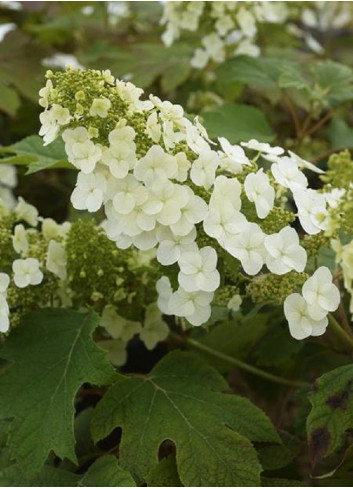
165,186
228,29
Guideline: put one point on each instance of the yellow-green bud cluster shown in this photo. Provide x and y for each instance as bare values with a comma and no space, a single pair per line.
225,293
275,288
276,220
313,242
100,274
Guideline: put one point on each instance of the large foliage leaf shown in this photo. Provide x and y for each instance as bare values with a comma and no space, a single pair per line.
52,355
258,72
106,471
20,64
181,400
341,135
144,62
30,151
165,474
237,122
332,412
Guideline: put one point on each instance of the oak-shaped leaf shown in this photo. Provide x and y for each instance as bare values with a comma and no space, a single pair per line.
51,355
182,400
331,416
31,152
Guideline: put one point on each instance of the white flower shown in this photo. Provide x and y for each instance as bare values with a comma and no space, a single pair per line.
155,165
153,127
263,147
4,315
214,46
248,48
56,259
286,172
154,329
183,166
26,212
312,211
127,194
235,154
192,213
100,107
301,324
117,326
198,270
333,198
321,294
27,272
171,246
171,112
200,58
203,169
226,190
165,201
165,291
19,239
4,283
89,191
303,163
222,222
284,252
8,175
62,60
258,190
248,247
194,306
247,22
85,155
53,230
234,303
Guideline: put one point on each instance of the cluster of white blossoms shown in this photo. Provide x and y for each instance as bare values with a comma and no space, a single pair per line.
231,28
165,186
307,312
41,252
228,26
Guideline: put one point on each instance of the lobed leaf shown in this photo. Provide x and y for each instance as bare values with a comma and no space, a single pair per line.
332,412
181,400
52,355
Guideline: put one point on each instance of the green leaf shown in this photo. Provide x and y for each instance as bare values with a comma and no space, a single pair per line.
234,338
237,122
335,81
181,400
258,72
165,474
273,457
341,135
9,100
324,81
30,151
332,412
144,62
52,355
293,77
20,64
106,472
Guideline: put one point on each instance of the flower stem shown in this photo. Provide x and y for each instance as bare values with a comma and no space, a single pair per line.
339,331
238,363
